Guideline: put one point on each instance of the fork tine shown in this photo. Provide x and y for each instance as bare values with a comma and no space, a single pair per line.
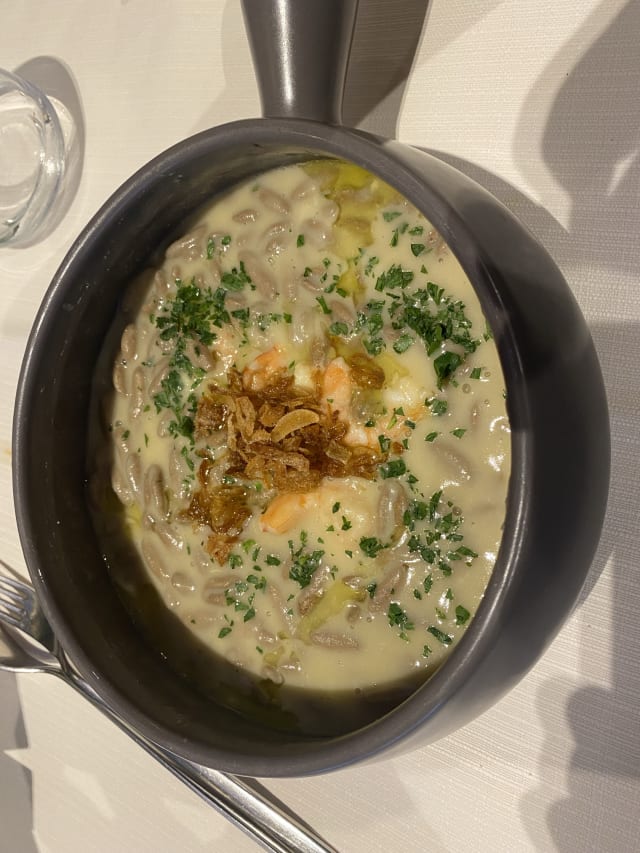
15,600
14,587
11,605
15,583
20,607
12,616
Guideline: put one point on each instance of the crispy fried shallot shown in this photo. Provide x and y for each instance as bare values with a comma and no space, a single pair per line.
280,435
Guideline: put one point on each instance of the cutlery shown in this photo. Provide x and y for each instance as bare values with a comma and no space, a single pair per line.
28,644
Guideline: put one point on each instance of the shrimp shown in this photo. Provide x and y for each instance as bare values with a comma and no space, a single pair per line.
257,374
291,509
336,386
338,394
286,510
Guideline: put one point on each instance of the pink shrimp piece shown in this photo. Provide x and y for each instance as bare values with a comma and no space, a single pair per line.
337,392
285,511
257,374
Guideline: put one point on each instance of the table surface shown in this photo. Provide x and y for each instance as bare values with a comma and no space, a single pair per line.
539,103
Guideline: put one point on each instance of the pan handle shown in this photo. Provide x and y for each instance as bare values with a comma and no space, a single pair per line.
300,50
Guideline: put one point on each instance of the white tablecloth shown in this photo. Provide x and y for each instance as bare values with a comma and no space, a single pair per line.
540,103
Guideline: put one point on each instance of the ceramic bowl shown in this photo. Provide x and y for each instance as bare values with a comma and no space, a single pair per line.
555,394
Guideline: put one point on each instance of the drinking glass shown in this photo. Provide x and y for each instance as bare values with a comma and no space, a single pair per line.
32,159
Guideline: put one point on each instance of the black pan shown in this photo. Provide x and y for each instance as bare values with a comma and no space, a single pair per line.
555,393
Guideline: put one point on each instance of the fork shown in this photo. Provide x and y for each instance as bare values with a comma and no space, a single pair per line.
261,816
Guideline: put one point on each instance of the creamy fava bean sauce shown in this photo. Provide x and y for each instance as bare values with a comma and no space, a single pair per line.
308,441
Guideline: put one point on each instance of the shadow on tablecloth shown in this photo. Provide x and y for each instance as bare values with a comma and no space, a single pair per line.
586,112
15,780
591,145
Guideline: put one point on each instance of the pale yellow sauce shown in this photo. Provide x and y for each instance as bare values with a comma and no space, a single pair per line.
313,272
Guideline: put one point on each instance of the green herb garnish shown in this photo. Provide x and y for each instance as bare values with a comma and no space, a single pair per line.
394,277
371,545
446,365
445,639
305,563
399,618
392,468
236,279
438,407
323,304
462,615
339,328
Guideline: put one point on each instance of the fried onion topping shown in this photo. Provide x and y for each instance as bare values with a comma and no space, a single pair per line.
282,436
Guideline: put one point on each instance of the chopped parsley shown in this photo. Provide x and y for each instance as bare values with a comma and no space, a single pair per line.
445,366
434,317
192,312
395,277
441,637
371,263
384,442
339,328
438,406
304,563
235,279
371,546
462,553
462,615
322,302
398,618
403,343
191,315
393,468
370,322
